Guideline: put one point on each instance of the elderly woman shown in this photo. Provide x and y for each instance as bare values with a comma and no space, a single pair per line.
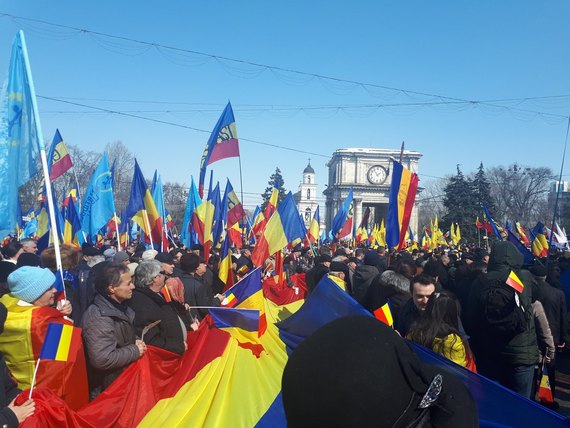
150,306
108,331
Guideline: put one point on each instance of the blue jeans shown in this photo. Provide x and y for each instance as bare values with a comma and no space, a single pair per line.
520,379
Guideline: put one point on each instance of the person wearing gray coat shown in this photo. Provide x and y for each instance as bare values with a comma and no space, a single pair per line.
108,329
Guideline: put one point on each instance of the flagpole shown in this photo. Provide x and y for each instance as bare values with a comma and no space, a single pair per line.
34,379
479,237
241,192
559,186
43,156
117,230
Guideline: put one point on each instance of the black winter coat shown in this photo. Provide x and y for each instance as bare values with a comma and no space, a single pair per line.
150,307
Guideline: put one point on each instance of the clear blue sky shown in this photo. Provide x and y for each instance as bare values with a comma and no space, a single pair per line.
484,50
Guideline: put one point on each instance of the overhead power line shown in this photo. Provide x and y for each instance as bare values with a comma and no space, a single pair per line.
309,76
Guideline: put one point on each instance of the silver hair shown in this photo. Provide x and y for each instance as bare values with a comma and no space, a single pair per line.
145,273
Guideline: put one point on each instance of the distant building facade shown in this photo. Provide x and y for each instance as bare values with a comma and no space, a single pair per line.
369,173
306,197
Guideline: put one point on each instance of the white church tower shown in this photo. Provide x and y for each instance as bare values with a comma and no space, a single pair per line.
306,198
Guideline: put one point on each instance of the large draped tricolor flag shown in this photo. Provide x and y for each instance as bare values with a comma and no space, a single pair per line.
342,223
283,227
223,143
218,382
21,343
142,209
403,190
20,143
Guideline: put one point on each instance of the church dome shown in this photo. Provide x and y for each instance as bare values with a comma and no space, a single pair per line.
309,169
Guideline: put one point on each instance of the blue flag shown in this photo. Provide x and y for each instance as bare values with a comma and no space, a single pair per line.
20,143
340,227
98,203
188,237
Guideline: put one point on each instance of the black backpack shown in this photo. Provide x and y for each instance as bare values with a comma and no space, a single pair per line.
502,312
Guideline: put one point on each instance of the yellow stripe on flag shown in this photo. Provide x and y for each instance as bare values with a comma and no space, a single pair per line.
274,234
64,343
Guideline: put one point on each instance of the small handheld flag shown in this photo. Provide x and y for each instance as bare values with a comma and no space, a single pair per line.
384,314
60,341
514,282
544,391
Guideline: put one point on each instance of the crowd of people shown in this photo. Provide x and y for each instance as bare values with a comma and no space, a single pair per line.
454,301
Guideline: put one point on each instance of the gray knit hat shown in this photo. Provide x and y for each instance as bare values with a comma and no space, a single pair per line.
28,283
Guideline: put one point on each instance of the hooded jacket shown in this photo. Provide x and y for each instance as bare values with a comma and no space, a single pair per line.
521,349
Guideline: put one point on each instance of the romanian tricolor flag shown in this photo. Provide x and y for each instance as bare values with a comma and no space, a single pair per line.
225,272
235,207
342,223
141,207
258,223
522,233
283,227
62,343
315,227
248,294
242,324
362,231
539,241
72,225
223,143
544,391
384,314
514,281
203,220
272,203
59,160
400,204
72,195
478,223
22,341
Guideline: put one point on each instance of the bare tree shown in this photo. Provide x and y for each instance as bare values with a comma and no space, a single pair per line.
430,201
124,162
520,193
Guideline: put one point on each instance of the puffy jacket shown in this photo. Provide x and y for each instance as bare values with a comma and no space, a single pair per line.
109,337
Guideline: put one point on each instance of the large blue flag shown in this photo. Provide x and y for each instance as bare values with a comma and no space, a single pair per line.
98,203
20,143
187,236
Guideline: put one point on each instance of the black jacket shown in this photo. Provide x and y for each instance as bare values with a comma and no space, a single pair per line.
554,304
196,293
150,307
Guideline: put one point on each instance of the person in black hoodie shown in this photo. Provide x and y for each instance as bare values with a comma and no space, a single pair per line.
150,306
10,414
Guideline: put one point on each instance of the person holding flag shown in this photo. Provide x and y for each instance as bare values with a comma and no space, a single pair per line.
30,305
108,328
